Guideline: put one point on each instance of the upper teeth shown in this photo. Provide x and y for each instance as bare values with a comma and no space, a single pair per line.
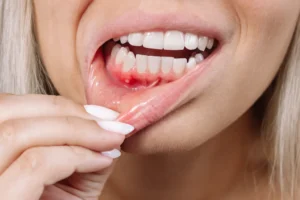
170,40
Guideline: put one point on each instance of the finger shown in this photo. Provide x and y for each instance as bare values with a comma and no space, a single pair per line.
18,135
81,185
53,192
16,107
43,166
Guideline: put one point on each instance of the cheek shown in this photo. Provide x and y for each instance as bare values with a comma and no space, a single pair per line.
56,26
266,29
266,18
253,57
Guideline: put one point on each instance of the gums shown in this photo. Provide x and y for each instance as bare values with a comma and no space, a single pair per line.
138,107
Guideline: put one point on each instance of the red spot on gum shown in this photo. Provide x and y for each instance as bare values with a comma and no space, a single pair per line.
134,79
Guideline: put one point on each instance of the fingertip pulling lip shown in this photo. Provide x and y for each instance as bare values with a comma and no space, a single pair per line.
141,105
139,21
143,108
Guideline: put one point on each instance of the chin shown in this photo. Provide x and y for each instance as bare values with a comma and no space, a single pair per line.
152,71
177,132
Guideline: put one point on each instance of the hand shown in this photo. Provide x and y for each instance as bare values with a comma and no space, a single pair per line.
50,148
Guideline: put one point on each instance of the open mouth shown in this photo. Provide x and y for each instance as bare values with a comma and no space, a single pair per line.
145,75
144,60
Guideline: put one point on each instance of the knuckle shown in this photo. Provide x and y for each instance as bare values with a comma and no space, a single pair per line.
8,131
70,122
62,104
32,160
78,110
79,151
58,102
73,123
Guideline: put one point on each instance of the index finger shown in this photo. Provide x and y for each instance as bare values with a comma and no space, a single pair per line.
30,106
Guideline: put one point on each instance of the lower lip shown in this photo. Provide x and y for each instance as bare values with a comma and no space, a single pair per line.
144,107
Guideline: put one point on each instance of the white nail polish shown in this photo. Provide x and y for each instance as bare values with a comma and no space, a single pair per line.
112,154
101,112
116,127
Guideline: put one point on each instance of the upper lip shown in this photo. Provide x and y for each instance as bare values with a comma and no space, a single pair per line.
139,21
95,35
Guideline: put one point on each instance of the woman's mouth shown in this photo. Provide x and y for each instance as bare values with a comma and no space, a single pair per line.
145,75
144,60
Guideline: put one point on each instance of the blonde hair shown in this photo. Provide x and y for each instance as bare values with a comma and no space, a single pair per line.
22,72
282,123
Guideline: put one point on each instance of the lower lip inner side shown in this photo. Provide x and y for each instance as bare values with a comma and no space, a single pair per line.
139,108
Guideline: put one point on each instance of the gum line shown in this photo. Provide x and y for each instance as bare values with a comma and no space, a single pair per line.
139,108
116,70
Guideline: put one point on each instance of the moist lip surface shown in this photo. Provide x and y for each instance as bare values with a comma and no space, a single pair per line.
138,107
142,106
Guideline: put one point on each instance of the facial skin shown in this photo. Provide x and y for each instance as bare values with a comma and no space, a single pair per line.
248,62
257,33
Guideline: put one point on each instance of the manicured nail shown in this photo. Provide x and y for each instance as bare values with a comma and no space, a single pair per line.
116,127
112,154
101,112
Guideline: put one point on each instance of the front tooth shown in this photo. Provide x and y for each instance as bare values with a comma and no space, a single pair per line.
141,63
154,40
129,62
121,55
191,41
199,58
124,39
154,64
192,63
179,65
166,64
174,40
210,43
115,50
136,39
202,43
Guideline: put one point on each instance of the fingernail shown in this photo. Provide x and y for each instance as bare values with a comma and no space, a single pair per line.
116,127
101,112
112,154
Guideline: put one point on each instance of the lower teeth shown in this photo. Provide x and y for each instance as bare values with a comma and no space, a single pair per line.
149,69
